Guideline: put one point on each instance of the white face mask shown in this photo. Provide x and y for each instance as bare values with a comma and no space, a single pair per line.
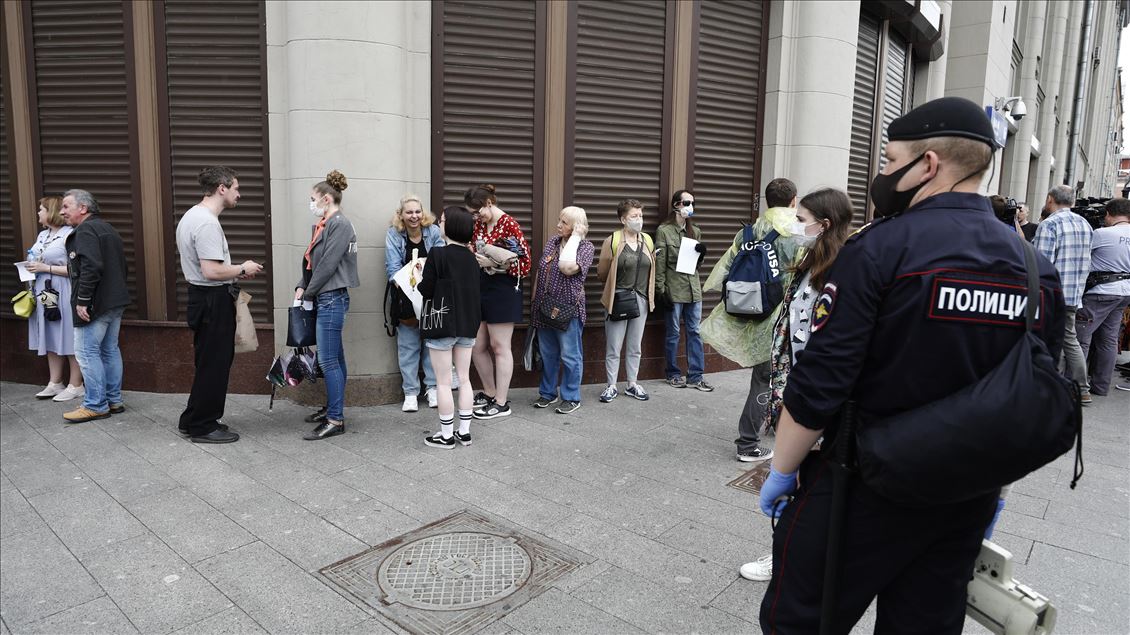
635,224
315,210
798,229
687,211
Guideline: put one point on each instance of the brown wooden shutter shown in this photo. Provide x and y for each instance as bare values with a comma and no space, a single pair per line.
9,252
863,118
216,81
618,124
83,86
726,133
484,131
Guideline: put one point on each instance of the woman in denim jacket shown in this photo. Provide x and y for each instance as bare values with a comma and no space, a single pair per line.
413,227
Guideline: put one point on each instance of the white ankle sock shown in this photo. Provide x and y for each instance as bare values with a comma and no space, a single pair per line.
464,422
445,426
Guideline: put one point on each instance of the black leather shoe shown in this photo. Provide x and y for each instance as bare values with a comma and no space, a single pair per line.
184,433
326,429
316,417
219,435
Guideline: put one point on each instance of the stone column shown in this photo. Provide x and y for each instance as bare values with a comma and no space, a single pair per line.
809,91
1051,69
1032,47
349,89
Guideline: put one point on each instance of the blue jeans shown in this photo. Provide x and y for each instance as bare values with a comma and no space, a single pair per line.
561,348
689,313
409,348
98,355
332,307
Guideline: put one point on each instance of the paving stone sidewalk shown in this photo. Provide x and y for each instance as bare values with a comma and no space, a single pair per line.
122,526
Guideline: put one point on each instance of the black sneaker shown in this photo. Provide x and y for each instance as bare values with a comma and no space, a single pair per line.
481,400
755,455
701,385
463,439
542,402
567,406
492,411
437,441
316,417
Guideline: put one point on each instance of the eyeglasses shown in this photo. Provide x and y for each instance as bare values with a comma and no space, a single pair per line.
684,203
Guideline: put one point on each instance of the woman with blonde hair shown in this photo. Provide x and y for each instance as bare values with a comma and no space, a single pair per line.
329,270
558,310
413,231
50,330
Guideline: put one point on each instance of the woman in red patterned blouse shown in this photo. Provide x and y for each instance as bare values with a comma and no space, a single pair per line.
501,299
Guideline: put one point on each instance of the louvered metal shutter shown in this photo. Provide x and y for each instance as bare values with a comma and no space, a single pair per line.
726,116
487,130
83,90
216,111
618,129
894,86
863,117
9,252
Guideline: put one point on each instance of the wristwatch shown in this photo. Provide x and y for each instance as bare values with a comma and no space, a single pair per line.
242,270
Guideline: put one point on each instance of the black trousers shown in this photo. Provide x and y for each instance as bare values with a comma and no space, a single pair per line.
918,562
211,316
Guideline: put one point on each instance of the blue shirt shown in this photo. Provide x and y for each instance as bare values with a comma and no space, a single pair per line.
918,306
1065,239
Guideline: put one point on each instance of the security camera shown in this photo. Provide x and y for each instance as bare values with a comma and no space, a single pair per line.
1012,105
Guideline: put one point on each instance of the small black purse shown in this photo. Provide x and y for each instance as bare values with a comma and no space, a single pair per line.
624,304
49,300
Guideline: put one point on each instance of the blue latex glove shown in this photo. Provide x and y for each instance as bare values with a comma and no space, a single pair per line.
993,523
776,486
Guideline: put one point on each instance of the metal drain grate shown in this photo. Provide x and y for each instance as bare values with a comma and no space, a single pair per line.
752,480
454,576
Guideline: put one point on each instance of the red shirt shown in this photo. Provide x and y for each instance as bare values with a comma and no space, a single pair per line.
506,227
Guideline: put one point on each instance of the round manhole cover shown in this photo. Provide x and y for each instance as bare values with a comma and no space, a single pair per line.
456,571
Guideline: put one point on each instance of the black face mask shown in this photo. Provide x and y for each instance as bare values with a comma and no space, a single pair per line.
889,201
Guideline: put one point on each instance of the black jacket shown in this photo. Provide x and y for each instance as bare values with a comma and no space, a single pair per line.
457,264
97,268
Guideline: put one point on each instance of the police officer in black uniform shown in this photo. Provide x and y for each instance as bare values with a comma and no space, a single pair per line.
908,316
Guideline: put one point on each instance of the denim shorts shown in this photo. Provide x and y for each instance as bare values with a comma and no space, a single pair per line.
448,343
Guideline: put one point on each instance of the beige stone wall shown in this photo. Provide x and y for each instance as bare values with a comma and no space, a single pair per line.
809,91
349,88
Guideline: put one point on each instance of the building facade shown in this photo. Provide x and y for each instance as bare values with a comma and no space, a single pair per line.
583,102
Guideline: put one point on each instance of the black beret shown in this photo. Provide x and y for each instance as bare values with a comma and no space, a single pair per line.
944,117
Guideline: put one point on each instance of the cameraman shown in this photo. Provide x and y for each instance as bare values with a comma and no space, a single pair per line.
1065,239
1006,210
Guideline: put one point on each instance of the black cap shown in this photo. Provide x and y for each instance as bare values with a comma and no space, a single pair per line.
944,117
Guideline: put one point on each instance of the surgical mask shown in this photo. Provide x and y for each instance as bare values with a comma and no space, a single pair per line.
315,210
687,211
888,200
635,224
798,229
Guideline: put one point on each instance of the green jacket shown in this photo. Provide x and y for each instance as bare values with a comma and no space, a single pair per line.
679,287
749,342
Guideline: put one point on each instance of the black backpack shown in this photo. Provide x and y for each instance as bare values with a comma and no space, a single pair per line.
754,287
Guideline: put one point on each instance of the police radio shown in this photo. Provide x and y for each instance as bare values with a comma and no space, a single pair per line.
1003,605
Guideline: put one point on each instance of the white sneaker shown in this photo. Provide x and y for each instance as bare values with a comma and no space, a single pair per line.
760,570
410,404
70,392
433,399
50,391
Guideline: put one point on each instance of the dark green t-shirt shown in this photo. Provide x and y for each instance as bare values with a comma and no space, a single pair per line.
633,270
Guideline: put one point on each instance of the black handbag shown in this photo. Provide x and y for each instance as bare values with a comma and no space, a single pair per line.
49,300
437,319
1017,418
556,314
301,327
624,304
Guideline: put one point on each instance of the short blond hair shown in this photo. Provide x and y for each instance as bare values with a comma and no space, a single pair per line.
398,222
965,156
53,204
577,216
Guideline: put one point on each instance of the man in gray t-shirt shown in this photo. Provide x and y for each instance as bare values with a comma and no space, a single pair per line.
201,237
1108,295
207,267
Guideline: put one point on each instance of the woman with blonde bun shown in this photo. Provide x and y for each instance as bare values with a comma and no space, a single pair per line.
329,270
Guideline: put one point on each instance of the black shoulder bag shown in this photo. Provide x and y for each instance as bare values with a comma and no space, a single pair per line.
624,304
1017,418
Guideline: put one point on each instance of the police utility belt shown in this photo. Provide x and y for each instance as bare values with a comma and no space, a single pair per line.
1019,417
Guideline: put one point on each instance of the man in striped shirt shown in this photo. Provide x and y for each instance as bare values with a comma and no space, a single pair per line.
1065,239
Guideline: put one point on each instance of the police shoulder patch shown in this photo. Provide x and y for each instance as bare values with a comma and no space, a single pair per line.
822,310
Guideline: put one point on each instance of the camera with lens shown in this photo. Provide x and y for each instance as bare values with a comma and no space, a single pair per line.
1093,209
1005,209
